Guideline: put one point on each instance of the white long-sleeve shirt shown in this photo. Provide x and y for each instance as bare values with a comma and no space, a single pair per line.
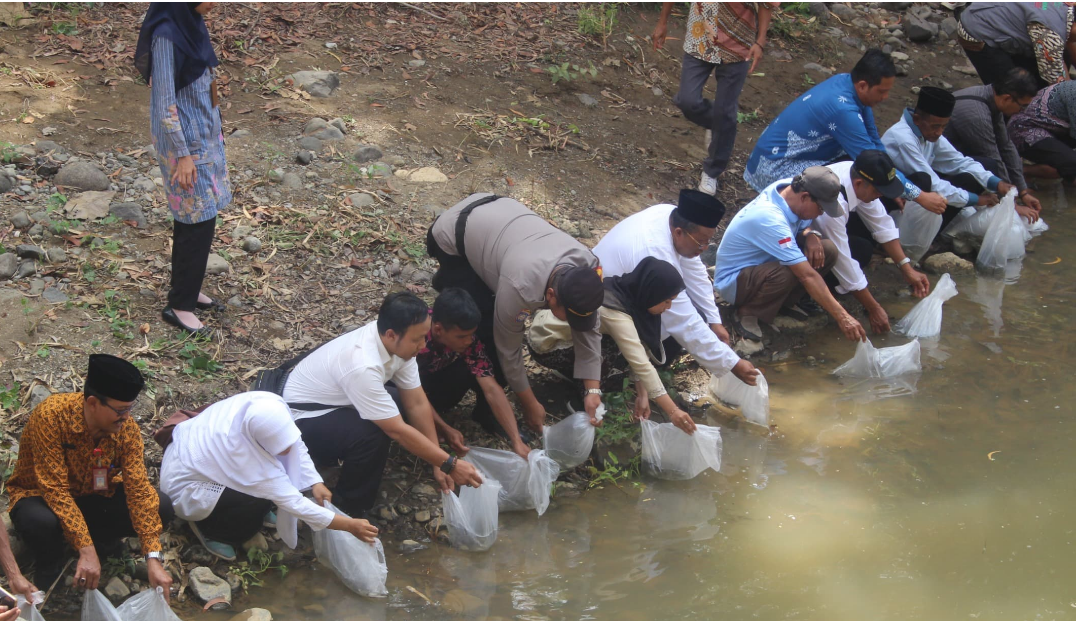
849,275
647,234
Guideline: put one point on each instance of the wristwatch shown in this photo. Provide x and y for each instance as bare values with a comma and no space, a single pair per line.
593,391
449,464
156,555
813,232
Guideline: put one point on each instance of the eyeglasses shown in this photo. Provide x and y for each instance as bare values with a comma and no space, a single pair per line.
701,245
121,413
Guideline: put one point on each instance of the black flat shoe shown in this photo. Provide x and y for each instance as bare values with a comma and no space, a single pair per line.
214,305
169,317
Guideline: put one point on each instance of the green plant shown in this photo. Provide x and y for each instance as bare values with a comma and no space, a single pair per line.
597,20
797,8
56,201
569,72
808,81
95,343
43,352
258,562
112,245
9,397
114,309
118,565
110,219
8,152
199,363
747,117
63,28
613,472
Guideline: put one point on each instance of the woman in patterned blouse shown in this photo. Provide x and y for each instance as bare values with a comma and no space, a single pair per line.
176,58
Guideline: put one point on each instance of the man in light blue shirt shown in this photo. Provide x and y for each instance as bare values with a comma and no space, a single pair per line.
761,266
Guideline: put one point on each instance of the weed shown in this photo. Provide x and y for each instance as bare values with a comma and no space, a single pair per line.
110,219
63,28
89,274
114,309
143,367
569,72
597,20
808,81
199,363
613,472
747,117
9,397
95,343
43,352
258,562
8,152
56,201
797,8
118,565
112,246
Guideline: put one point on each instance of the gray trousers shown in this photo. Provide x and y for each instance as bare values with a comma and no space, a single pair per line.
718,115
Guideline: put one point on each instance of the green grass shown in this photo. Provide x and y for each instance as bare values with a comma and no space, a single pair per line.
9,397
597,20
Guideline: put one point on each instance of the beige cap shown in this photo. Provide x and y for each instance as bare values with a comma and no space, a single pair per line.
824,186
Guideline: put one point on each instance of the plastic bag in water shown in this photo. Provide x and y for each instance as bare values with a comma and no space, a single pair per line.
472,517
1037,228
149,605
882,363
96,607
669,453
753,401
524,484
924,320
26,610
970,223
359,565
570,441
1005,237
918,228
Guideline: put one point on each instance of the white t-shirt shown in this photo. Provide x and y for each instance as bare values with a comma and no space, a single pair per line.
351,370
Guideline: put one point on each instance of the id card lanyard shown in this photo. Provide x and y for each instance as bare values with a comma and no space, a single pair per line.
99,471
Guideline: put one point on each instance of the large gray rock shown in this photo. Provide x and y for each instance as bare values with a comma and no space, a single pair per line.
30,251
317,83
217,265
310,143
82,176
6,184
207,585
918,29
48,146
128,212
20,219
9,263
27,267
367,153
949,25
328,134
314,125
52,295
252,244
947,262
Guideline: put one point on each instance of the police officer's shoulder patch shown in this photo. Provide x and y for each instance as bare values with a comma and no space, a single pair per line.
523,315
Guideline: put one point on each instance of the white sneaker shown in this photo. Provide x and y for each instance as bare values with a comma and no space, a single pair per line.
708,185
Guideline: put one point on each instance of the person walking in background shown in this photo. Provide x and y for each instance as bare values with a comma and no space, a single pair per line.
997,36
726,39
176,58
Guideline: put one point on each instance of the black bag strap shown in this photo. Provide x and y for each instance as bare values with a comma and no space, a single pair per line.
974,98
461,222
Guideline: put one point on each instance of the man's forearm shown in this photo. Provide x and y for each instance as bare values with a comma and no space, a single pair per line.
502,410
419,444
817,289
7,558
666,10
894,251
864,297
764,16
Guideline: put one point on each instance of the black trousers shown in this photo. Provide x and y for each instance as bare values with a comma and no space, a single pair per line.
236,518
1054,152
344,436
992,63
190,252
108,520
446,387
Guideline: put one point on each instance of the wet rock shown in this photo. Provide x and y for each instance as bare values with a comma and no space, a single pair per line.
304,157
947,262
460,602
317,83
207,586
843,11
918,29
252,244
860,23
30,251
89,205
367,153
817,68
292,181
361,199
424,489
422,516
83,176
587,100
256,542
217,265
27,267
428,174
116,590
56,254
38,394
9,263
410,545
310,143
963,247
128,212
20,219
316,609
746,348
386,513
253,614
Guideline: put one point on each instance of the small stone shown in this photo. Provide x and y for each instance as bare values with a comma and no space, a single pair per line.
9,263
37,286
310,143
966,70
403,509
918,29
386,513
304,157
416,63
657,91
428,174
851,41
20,219
860,23
361,199
424,489
843,11
217,265
48,146
317,609
253,614
207,586
6,184
949,26
38,394
256,542
367,153
56,254
393,269
947,262
422,516
317,83
339,123
314,125
330,45
27,267
235,301
30,251
899,56
328,134
252,244
747,347
587,100
116,590
83,176
292,181
242,230
239,134
379,169
128,212
276,175
817,68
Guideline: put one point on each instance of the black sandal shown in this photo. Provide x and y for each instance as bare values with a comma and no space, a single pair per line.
169,317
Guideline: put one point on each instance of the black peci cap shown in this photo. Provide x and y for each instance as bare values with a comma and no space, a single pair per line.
114,378
700,208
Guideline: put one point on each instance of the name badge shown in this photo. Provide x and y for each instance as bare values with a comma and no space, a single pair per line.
100,479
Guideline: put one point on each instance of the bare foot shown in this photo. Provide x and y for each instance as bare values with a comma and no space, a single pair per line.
188,318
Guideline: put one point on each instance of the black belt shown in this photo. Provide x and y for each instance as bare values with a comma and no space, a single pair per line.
461,222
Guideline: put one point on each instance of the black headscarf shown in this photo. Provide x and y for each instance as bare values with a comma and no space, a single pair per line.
651,282
184,27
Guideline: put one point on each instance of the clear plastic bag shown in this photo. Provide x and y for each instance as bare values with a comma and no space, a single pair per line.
971,223
753,401
1005,236
149,605
524,484
27,611
472,517
359,565
886,362
1038,228
96,607
669,453
570,441
918,228
924,320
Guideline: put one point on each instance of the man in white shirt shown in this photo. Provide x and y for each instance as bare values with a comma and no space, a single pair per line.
864,223
678,235
338,398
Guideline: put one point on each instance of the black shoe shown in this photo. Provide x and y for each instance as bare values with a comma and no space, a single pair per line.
214,305
169,316
794,312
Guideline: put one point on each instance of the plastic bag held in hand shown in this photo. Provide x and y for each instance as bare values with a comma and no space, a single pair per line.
669,453
524,484
918,227
96,607
924,321
26,610
753,401
472,517
149,605
359,565
1005,236
881,363
570,441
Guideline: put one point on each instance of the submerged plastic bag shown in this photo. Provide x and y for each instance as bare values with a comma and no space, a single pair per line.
669,453
1005,236
358,564
96,607
149,605
472,517
924,320
28,611
970,223
886,362
918,228
1037,228
753,401
570,441
524,484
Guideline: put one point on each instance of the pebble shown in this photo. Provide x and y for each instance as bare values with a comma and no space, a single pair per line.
30,251
9,264
422,516
252,244
899,56
361,199
27,267
239,134
235,301
304,157
379,169
330,45
292,181
128,212
256,542
367,153
407,546
310,143
21,220
56,254
587,100
276,175
817,67
416,63
217,265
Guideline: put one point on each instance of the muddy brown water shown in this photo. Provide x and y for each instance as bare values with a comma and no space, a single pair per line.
950,502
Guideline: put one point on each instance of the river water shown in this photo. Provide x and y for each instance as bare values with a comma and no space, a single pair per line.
954,502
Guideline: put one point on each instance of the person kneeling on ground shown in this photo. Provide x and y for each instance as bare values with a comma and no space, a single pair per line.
228,466
338,397
761,266
1045,132
81,477
631,315
454,362
863,225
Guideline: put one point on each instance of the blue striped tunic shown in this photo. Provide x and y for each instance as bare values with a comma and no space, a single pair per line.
186,123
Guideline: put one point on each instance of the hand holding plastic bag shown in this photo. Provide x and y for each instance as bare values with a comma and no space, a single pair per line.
669,453
359,565
96,607
1005,236
753,401
887,362
524,484
570,441
924,320
27,610
472,517
149,605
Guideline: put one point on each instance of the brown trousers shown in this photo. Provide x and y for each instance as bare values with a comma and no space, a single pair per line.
762,290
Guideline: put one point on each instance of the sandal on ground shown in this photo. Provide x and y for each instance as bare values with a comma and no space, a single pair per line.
216,548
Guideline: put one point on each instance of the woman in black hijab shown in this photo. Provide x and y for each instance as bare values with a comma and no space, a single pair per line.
176,58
